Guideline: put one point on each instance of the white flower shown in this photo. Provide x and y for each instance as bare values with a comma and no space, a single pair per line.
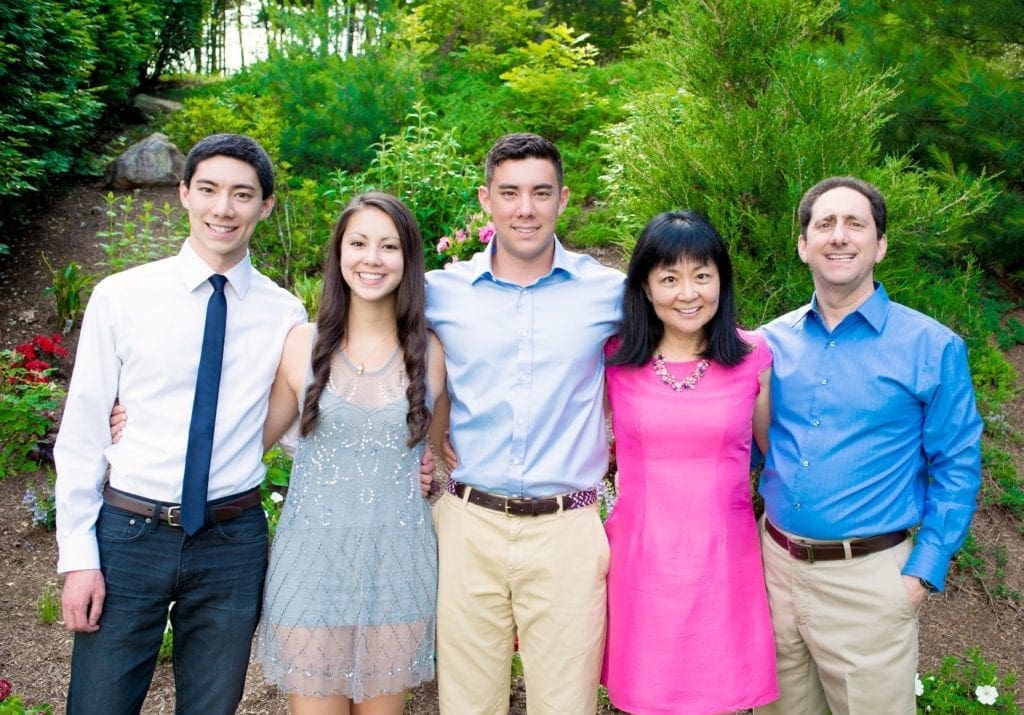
986,694
276,497
918,685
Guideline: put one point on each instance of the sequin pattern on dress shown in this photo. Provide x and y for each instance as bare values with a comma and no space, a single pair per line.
352,584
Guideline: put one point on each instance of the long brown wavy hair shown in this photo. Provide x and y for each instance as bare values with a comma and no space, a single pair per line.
410,307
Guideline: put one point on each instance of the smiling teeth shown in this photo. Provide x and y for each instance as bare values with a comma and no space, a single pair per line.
220,229
371,276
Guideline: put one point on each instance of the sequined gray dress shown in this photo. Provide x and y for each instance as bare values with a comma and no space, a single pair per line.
352,585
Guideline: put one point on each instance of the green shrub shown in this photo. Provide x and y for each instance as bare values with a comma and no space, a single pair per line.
549,91
742,117
69,288
966,685
138,234
28,401
332,110
425,167
291,243
47,110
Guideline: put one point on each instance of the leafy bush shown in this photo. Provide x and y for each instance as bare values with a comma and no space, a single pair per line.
549,90
425,167
332,109
69,287
46,107
744,117
966,685
28,401
138,234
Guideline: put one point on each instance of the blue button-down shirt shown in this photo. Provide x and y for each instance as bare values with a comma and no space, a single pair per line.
526,372
874,429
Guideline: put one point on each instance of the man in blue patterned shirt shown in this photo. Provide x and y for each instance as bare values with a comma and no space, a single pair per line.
874,432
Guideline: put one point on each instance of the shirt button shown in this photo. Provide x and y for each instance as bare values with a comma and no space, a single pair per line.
816,423
797,505
515,461
524,378
824,381
831,343
520,421
805,463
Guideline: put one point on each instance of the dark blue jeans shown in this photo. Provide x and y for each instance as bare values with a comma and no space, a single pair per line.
212,583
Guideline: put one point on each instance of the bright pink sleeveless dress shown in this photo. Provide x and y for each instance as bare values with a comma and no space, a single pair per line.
688,623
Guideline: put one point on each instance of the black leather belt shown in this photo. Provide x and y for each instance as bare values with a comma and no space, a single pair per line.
217,511
834,550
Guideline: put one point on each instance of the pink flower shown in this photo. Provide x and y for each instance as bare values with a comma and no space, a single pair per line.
5,688
486,233
444,244
461,235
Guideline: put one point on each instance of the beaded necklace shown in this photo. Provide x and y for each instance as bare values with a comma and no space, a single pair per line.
669,379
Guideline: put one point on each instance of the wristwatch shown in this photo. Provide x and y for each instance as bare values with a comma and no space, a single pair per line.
928,585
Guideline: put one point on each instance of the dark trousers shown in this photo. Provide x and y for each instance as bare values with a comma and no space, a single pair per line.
213,585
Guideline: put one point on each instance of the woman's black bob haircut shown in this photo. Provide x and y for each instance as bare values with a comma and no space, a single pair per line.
668,238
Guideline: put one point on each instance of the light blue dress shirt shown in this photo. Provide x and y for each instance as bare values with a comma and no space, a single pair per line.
874,429
526,372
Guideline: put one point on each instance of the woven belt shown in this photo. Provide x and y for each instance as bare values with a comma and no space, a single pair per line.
523,506
834,550
216,511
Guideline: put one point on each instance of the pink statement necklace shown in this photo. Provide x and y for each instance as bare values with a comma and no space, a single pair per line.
669,379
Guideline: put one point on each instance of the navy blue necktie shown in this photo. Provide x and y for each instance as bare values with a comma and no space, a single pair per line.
204,412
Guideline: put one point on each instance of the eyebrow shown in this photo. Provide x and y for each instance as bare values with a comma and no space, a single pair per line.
211,182
533,188
834,215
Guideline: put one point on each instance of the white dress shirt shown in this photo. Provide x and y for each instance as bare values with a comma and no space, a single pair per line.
141,340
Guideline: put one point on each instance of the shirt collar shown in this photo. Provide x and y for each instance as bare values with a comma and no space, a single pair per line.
873,310
195,271
562,263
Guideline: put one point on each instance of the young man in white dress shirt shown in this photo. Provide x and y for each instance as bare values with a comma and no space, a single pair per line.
125,556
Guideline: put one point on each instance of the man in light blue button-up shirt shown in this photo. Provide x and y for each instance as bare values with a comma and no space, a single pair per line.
522,550
874,432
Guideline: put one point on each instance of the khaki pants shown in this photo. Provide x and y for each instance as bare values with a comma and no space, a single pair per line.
543,576
845,633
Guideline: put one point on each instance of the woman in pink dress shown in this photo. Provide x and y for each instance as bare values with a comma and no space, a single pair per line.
688,623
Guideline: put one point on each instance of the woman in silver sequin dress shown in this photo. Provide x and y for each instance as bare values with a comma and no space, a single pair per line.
348,617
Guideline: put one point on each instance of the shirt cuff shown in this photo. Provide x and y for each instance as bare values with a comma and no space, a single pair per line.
928,563
78,552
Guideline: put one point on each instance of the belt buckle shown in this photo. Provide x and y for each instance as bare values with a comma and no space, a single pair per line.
810,553
174,515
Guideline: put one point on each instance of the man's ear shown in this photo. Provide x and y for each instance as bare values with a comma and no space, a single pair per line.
268,206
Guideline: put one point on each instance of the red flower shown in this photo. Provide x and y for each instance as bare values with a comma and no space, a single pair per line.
43,343
37,366
26,350
5,688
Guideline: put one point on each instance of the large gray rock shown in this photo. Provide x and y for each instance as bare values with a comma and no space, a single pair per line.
154,161
154,106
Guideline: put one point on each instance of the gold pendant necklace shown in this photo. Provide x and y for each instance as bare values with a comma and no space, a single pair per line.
360,366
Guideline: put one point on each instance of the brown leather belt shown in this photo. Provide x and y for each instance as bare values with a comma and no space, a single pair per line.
216,511
523,506
834,550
